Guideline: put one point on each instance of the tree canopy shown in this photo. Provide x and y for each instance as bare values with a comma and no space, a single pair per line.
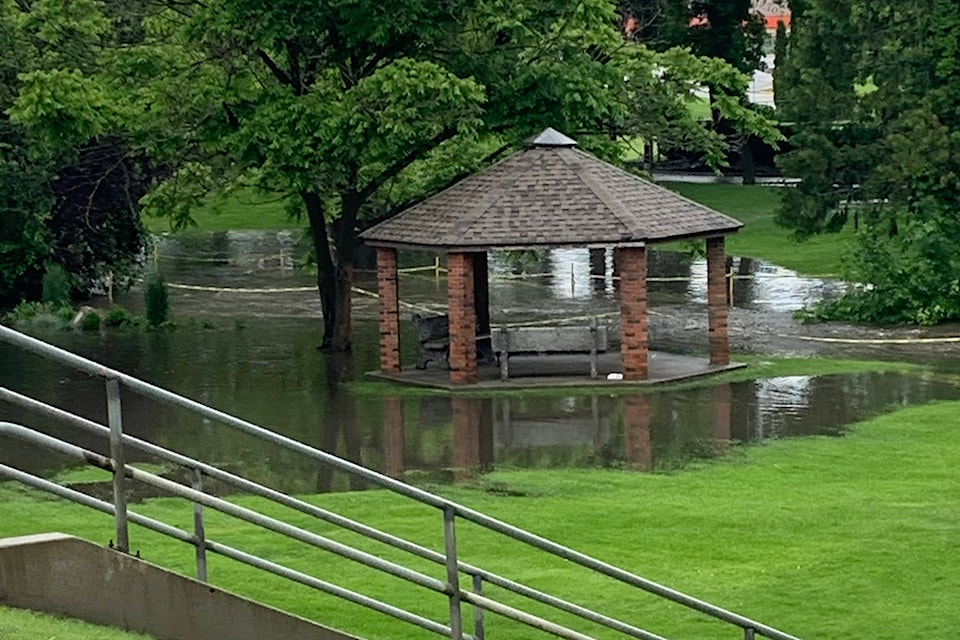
358,109
874,91
353,108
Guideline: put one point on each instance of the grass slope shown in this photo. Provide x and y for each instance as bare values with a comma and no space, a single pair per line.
760,236
240,210
16,624
754,205
841,538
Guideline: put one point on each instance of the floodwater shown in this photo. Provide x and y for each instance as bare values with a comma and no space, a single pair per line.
259,362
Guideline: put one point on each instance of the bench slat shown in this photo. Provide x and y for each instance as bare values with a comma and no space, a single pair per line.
549,340
512,341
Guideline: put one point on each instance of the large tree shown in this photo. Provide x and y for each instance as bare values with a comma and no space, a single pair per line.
875,91
355,108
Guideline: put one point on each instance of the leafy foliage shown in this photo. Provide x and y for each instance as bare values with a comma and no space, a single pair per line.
157,300
69,184
875,92
57,286
357,110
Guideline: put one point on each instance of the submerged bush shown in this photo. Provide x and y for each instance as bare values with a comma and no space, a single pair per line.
156,297
57,286
120,317
39,315
91,321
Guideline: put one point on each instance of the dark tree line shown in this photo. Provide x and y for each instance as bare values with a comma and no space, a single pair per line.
874,91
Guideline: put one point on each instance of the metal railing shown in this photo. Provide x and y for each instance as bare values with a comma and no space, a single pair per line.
450,587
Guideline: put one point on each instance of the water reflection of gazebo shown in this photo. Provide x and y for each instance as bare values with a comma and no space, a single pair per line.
550,194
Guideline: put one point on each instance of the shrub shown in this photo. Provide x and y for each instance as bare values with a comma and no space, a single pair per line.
57,286
120,317
91,321
39,315
157,301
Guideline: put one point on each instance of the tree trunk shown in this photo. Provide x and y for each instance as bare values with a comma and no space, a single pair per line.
335,262
747,163
345,236
326,270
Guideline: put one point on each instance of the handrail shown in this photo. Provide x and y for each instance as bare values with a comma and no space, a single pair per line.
450,509
253,488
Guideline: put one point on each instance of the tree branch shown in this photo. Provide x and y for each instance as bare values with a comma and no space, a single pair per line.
460,176
404,162
278,73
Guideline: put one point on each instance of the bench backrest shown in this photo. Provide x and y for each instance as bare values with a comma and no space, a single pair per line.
549,339
432,328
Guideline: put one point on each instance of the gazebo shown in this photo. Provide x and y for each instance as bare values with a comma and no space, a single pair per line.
550,194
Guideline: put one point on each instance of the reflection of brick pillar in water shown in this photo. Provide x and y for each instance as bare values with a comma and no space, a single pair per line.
633,312
466,437
638,450
717,301
388,288
463,318
393,440
722,402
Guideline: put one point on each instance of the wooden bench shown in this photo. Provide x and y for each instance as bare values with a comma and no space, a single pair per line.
538,340
433,332
434,335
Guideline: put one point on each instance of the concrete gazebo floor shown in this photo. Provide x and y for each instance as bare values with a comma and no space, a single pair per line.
559,371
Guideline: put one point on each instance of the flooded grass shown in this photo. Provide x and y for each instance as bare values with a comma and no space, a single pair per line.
16,624
760,236
846,538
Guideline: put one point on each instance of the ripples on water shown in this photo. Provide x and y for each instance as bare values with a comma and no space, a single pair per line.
269,372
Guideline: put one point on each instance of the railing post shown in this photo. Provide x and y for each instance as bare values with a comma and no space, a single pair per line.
116,452
478,629
199,530
453,571
748,633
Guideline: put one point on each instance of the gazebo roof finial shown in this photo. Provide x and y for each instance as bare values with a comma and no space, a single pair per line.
550,137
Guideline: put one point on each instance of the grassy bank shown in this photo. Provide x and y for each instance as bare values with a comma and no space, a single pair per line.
755,206
841,538
241,210
27,625
760,236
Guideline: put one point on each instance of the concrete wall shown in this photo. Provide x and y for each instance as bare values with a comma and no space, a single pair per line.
60,574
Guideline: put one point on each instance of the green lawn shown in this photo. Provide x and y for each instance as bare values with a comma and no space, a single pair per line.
760,236
754,205
240,210
16,624
840,538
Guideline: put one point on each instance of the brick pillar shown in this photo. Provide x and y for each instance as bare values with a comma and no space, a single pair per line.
463,318
638,450
717,301
633,312
388,287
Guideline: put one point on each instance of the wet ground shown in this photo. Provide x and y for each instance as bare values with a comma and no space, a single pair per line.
255,274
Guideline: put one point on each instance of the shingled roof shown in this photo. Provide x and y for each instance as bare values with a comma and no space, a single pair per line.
549,194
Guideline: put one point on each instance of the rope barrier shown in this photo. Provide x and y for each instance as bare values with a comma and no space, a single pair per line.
934,340
566,320
196,287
